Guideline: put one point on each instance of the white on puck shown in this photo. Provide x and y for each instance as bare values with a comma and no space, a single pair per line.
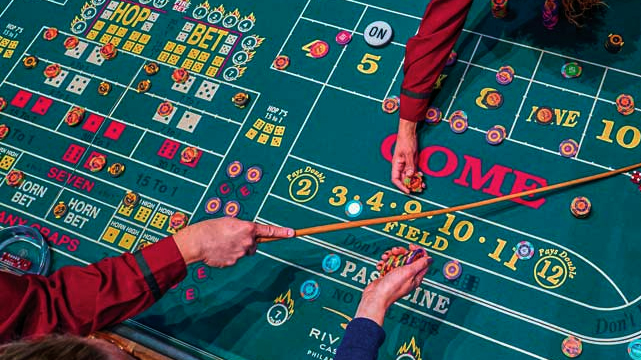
377,34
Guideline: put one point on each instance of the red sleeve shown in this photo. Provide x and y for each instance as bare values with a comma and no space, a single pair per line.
80,300
427,52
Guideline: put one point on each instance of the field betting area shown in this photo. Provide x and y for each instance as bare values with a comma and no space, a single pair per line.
312,138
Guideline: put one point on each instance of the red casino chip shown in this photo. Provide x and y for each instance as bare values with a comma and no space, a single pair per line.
254,174
232,208
544,115
50,34
281,62
391,104
180,76
52,70
4,131
213,205
178,220
14,178
319,49
97,163
73,118
108,51
165,108
189,154
3,103
71,42
343,37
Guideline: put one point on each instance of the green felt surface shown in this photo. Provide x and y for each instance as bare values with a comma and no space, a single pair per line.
317,133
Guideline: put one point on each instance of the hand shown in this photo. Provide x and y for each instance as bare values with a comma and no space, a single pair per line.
221,242
405,154
383,292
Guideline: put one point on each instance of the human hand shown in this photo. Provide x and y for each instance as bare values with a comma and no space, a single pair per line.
405,154
221,242
383,292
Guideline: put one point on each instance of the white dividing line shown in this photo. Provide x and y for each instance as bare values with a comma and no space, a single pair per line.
458,87
21,56
311,109
233,141
493,223
6,8
389,89
527,91
435,318
596,99
351,92
341,28
294,27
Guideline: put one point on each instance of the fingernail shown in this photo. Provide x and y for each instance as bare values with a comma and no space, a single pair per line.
290,232
430,261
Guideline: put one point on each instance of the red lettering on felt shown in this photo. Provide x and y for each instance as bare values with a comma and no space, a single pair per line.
189,294
76,181
200,273
473,169
224,188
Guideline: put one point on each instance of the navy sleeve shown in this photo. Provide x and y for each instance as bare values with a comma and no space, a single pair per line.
362,339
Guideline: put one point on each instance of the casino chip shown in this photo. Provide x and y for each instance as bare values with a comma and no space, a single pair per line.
189,154
241,99
395,261
30,62
75,116
71,42
3,103
571,346
433,115
331,263
180,75
571,70
50,34
14,178
254,174
458,125
165,108
97,163
580,207
52,70
213,205
151,68
451,58
108,51
104,88
59,210
495,135
143,86
524,250
131,199
232,208
452,270
635,178
353,208
493,99
625,104
343,37
234,169
378,34
4,130
504,77
568,148
319,49
614,43
544,115
281,62
116,169
415,182
178,220
310,290
634,349
499,8
391,104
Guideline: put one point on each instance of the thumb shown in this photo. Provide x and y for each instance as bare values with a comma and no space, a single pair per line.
273,231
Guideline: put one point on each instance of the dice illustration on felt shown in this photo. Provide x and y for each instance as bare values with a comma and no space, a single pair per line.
95,57
206,90
57,81
77,52
78,84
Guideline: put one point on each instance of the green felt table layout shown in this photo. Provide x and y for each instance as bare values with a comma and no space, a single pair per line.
313,138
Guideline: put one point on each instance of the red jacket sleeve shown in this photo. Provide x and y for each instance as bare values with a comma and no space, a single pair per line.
427,52
80,300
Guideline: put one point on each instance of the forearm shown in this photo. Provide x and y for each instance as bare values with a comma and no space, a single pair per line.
363,337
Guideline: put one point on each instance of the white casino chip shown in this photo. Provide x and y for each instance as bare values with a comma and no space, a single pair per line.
377,34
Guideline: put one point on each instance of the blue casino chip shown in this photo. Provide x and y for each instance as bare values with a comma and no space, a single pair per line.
310,290
634,349
331,263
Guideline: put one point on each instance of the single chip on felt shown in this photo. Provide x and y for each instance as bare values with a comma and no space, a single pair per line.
4,131
180,75
50,34
30,62
75,116
165,108
241,99
108,51
131,199
544,115
391,104
580,207
568,148
71,42
433,115
178,220
343,37
3,103
614,43
319,49
143,86
281,62
151,68
116,169
104,88
571,70
571,347
415,182
452,270
493,99
495,135
52,70
97,163
310,290
14,178
59,210
189,154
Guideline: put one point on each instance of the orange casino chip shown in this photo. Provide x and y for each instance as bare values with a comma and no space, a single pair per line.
165,108
180,75
178,220
14,178
71,42
50,34
544,115
391,104
97,163
189,154
494,99
104,88
3,103
4,131
75,116
108,51
30,62
281,62
241,99
319,49
52,70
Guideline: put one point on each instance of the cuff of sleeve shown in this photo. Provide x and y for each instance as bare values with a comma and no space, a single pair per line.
413,109
164,261
368,334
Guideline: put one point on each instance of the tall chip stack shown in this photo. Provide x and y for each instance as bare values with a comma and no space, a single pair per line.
499,8
550,14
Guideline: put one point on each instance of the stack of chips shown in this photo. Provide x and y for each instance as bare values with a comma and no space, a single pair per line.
415,182
75,116
499,8
395,261
625,104
550,14
108,51
580,207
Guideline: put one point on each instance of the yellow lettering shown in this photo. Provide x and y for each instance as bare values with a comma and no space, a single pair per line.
534,109
440,244
120,11
197,34
559,115
142,16
570,121
390,226
221,34
411,234
424,238
208,36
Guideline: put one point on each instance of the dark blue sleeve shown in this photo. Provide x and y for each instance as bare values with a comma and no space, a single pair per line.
362,339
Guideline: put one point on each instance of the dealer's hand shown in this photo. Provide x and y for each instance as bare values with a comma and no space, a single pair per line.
405,154
383,292
221,242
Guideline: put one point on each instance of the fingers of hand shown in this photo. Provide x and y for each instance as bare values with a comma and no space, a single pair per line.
273,231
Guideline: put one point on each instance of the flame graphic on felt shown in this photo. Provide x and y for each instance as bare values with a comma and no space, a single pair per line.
220,9
286,299
346,317
85,7
250,56
75,20
206,5
234,13
251,17
410,349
